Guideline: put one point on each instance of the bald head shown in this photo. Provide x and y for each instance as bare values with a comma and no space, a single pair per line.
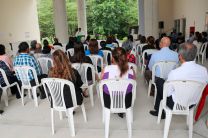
165,42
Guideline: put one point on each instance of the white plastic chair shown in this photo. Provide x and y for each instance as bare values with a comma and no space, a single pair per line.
187,93
45,64
165,68
23,73
202,53
146,52
6,88
70,52
55,87
117,90
106,54
82,69
57,47
97,61
85,46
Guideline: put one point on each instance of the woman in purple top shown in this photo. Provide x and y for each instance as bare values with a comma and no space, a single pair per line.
118,70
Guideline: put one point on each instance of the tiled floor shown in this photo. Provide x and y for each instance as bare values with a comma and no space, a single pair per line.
32,122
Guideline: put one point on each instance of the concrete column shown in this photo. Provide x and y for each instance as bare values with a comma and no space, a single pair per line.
60,20
141,17
151,17
81,15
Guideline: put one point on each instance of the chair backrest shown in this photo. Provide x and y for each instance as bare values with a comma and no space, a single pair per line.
118,90
187,93
45,64
70,52
203,48
164,67
97,61
57,47
85,47
23,73
4,76
107,57
134,66
55,88
139,48
148,52
83,69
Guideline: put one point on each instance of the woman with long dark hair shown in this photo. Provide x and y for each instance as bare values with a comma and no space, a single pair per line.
79,54
62,69
118,70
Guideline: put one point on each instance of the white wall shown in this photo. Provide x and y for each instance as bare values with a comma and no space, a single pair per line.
19,21
166,14
193,10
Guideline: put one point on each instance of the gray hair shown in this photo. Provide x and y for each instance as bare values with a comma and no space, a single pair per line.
188,51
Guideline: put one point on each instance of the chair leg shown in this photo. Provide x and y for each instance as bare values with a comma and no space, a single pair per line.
160,113
107,122
191,115
129,122
91,94
60,115
103,113
149,88
18,88
22,97
5,96
84,112
97,89
167,124
35,96
71,122
52,121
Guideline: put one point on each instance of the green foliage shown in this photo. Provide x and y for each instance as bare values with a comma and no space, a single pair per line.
105,17
45,15
109,17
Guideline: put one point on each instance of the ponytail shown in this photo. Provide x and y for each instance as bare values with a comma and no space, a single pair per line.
120,57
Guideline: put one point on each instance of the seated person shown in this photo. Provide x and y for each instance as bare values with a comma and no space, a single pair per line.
79,57
62,69
71,42
1,91
33,46
87,40
128,45
189,70
150,43
103,46
24,59
11,78
119,69
109,42
93,48
56,42
4,57
46,44
46,52
165,54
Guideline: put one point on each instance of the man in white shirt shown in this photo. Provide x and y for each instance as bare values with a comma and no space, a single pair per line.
79,32
189,70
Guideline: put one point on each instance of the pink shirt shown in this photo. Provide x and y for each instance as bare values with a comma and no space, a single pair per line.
7,60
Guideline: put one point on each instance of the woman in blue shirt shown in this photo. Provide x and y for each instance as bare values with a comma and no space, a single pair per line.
93,48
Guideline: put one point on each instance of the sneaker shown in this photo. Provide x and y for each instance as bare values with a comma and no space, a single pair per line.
155,113
1,112
121,115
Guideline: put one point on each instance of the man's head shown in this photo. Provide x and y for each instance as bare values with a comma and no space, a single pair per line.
187,52
79,29
165,42
2,49
23,47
